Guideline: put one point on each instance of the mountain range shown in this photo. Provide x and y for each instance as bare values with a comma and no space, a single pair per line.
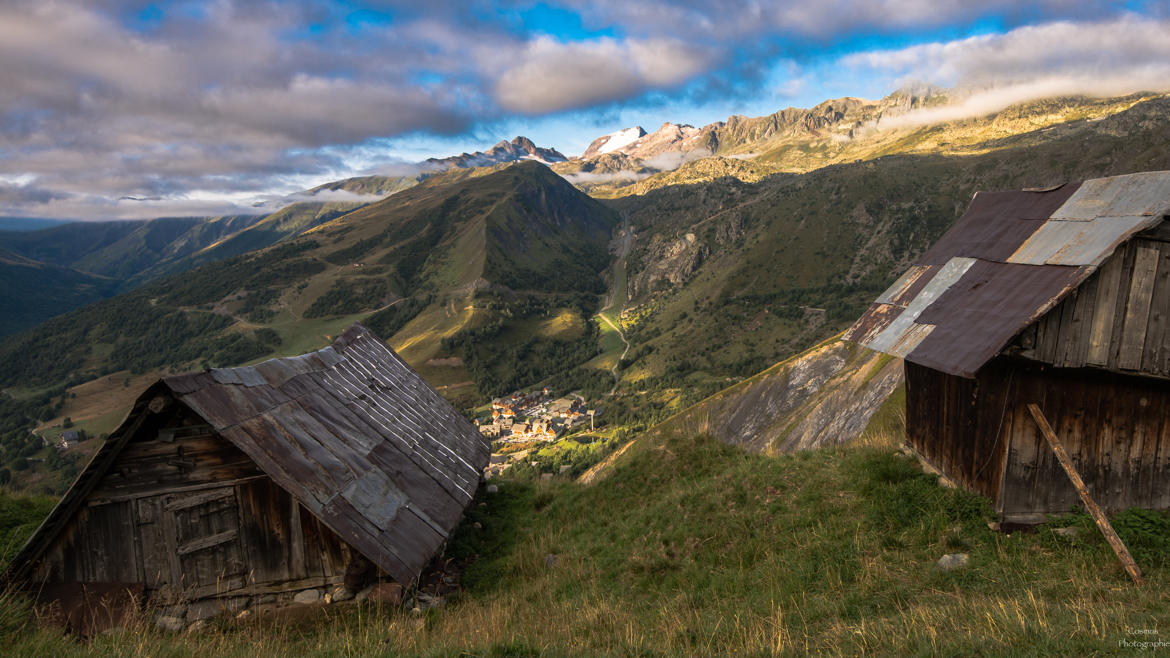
491,278
508,255
92,260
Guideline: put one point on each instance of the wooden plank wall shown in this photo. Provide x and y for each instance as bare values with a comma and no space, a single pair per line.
1117,319
187,514
1116,429
959,425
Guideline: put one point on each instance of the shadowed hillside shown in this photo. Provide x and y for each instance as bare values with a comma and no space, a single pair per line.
727,278
521,240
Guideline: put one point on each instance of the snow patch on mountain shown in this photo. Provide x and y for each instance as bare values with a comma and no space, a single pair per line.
621,138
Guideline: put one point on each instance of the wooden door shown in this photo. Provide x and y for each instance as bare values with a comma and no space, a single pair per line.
191,543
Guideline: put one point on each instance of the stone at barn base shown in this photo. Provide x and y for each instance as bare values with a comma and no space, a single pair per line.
307,596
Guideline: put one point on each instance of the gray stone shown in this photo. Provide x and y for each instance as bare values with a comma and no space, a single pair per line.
565,468
1069,533
169,623
341,593
307,596
492,488
267,599
551,560
235,604
953,561
425,601
364,594
546,476
201,610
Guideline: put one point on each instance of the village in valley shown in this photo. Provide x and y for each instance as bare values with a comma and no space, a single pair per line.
524,420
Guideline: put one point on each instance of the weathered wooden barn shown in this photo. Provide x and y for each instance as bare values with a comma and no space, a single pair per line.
245,483
1059,297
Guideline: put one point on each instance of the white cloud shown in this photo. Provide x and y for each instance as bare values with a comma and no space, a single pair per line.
1104,58
724,20
554,75
600,178
672,160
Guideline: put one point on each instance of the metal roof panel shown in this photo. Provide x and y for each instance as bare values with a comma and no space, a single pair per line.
1146,193
979,315
947,276
1067,242
996,223
907,286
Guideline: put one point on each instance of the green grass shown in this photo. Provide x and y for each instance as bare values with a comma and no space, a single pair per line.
691,547
300,336
93,427
611,340
19,517
620,289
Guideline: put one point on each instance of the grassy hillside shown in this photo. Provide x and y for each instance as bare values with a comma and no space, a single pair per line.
50,271
87,261
288,222
31,292
382,185
692,547
125,249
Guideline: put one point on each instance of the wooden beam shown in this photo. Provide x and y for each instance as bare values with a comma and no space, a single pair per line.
1137,313
208,541
104,500
1104,305
1091,505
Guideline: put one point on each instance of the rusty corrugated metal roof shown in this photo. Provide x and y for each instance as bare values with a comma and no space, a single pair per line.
996,223
355,435
1006,262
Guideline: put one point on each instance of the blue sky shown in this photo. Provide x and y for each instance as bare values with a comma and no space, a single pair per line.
114,108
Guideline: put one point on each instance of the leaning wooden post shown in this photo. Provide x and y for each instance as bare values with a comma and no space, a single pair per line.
1098,516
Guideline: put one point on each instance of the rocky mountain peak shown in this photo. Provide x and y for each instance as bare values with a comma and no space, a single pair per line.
523,143
520,148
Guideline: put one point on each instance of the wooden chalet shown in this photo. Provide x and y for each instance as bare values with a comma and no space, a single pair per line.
240,483
1057,297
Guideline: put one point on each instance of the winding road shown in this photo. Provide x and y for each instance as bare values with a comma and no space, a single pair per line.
625,242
